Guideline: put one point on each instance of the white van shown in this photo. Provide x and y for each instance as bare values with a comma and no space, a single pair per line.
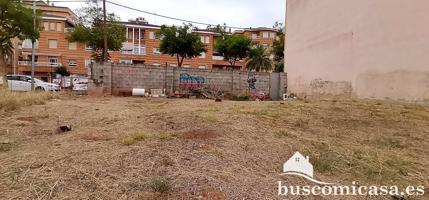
23,83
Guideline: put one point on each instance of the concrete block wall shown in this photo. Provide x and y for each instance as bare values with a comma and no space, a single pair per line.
123,78
101,80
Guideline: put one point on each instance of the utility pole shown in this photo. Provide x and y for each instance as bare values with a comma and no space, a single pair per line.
105,32
14,56
32,47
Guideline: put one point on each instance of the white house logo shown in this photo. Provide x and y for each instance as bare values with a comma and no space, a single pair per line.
298,165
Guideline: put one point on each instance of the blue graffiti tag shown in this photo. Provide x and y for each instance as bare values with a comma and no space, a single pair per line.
188,82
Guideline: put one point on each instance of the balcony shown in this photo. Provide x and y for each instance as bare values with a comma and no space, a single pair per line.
218,58
39,64
134,51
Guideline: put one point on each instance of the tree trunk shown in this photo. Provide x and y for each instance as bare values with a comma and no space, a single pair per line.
178,61
3,66
181,61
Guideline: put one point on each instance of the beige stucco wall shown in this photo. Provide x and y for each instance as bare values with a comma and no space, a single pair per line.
365,48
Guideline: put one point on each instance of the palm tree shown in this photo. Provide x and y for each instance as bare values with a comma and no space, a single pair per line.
259,59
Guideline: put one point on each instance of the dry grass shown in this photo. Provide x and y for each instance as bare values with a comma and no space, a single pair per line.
125,148
141,136
134,138
10,101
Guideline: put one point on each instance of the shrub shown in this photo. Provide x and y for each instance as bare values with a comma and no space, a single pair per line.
4,147
63,71
160,184
243,97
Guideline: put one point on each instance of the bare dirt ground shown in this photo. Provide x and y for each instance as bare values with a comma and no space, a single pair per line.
135,148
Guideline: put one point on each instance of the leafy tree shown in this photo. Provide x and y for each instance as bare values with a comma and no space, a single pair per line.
62,71
16,21
279,47
259,59
91,30
180,42
219,29
279,67
279,26
233,48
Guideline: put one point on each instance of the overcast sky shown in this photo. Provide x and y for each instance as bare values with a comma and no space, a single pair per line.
240,13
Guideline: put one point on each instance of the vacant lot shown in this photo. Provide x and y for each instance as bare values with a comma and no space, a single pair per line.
134,148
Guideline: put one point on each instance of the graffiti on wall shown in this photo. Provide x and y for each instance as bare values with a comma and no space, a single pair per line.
251,80
188,82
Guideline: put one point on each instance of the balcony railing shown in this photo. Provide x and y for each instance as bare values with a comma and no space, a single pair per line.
39,64
217,57
135,51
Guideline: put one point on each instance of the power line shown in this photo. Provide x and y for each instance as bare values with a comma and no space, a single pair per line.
168,17
143,11
62,1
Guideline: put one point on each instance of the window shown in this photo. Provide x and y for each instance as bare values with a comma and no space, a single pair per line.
156,65
205,39
156,51
72,45
265,34
12,78
72,63
153,36
142,34
187,66
45,26
68,30
126,62
88,48
53,61
173,65
265,46
27,43
59,27
254,36
53,44
202,67
203,55
52,26
272,35
36,58
296,159
24,78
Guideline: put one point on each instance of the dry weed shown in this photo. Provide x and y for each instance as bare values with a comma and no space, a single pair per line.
10,101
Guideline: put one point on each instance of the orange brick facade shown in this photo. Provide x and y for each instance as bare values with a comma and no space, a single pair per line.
142,46
52,48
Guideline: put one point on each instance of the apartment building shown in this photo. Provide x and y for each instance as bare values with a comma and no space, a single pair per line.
142,46
262,36
52,48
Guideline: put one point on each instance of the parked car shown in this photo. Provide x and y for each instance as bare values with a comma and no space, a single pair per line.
23,83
